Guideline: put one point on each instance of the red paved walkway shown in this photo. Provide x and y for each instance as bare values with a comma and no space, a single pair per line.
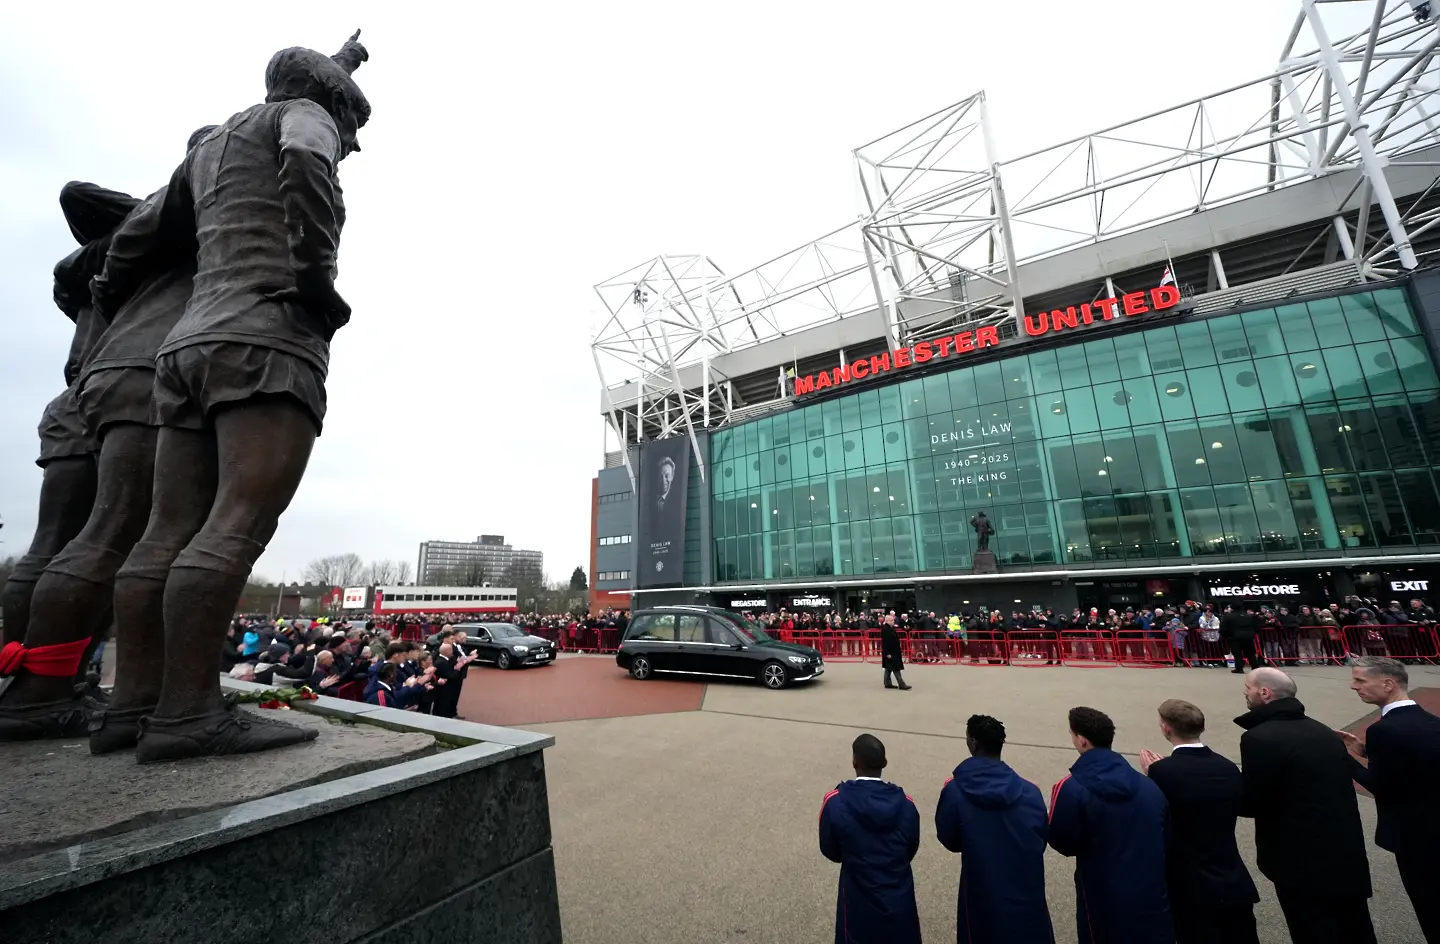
575,687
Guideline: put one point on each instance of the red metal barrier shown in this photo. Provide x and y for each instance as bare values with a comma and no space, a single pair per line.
1408,643
843,645
607,640
1033,647
982,647
1304,645
928,647
870,650
1136,649
1088,648
1204,652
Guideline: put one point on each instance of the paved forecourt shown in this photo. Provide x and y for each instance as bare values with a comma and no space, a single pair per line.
699,826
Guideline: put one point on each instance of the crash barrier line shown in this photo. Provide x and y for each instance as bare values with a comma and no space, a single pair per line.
1196,649
1303,644
1033,647
1088,649
1138,649
982,647
928,647
848,645
1132,648
1411,642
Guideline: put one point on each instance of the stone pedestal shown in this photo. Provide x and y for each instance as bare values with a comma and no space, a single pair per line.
441,833
985,563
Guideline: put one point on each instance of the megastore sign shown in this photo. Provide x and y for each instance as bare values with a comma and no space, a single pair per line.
1106,309
748,604
1258,590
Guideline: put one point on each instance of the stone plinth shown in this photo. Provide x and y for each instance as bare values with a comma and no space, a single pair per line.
985,563
441,834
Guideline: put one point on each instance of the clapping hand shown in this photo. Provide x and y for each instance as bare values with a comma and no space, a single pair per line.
1352,743
1148,757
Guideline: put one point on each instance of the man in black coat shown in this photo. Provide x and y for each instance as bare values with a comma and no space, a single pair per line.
447,678
1308,837
1238,627
891,657
1212,897
1404,773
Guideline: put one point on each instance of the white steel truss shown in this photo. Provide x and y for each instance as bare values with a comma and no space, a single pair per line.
946,226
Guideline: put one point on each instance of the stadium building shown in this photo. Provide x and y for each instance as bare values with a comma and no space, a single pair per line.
1189,356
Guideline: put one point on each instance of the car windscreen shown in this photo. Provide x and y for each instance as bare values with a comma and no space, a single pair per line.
503,631
747,627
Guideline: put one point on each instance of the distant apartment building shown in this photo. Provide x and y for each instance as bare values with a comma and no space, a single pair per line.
487,559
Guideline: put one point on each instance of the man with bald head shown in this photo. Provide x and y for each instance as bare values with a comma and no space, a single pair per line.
1308,837
447,677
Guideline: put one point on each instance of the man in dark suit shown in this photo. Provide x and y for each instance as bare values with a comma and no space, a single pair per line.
1212,897
1308,837
1404,752
1238,628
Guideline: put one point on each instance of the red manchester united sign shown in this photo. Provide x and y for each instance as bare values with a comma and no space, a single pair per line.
1046,322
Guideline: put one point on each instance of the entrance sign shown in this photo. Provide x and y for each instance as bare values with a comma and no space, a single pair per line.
809,601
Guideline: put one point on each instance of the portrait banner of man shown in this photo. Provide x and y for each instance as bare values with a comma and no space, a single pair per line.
664,476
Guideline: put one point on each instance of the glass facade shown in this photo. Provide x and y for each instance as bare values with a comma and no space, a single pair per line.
1305,430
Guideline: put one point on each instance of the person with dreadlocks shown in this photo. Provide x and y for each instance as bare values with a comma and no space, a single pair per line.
997,821
239,387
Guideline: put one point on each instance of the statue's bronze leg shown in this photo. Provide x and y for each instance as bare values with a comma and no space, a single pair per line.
74,596
184,491
67,493
263,445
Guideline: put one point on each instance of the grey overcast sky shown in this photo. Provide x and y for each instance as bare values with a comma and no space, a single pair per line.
517,154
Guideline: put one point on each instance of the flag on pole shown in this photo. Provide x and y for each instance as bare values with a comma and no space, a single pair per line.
1168,278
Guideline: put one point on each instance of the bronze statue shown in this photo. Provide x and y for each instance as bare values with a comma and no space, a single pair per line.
238,393
51,707
114,396
983,530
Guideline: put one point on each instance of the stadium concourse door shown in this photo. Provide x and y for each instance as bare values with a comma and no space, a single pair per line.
900,600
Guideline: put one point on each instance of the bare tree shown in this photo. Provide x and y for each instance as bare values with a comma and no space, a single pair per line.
352,570
402,572
382,573
322,570
337,570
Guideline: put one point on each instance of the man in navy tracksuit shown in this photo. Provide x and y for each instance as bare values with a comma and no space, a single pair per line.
1115,823
873,830
996,819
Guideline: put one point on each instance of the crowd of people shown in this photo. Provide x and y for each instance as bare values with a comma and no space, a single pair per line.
366,662
1156,859
1199,634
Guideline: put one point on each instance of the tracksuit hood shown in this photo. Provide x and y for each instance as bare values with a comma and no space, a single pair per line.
989,783
1105,774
